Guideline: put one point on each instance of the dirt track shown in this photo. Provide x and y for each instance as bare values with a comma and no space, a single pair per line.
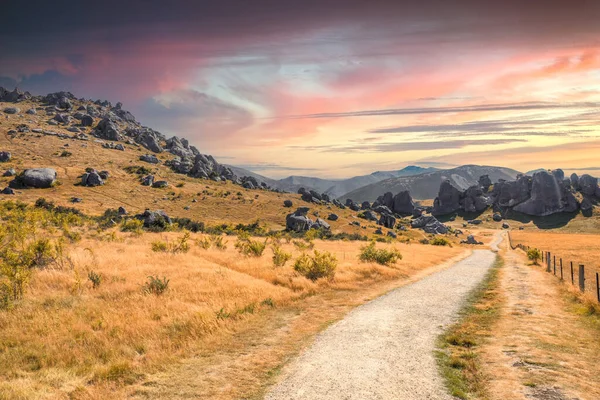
385,349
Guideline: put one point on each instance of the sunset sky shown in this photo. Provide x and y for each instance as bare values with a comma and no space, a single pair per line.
330,88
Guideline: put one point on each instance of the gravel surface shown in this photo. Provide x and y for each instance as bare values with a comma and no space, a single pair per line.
385,348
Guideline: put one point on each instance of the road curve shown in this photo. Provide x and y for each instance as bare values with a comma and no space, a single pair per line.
385,348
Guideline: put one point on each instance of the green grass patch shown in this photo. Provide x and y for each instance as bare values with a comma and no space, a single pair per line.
458,348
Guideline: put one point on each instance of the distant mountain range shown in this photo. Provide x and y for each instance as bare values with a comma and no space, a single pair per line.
426,185
333,187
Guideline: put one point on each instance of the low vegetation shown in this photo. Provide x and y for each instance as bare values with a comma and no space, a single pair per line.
458,347
249,247
370,253
181,245
316,266
280,257
534,255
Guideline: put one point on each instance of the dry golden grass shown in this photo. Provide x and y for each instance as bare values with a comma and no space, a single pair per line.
570,247
66,339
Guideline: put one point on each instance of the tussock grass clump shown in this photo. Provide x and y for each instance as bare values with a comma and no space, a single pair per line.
132,225
303,245
95,278
180,246
137,170
440,241
213,240
249,247
319,265
370,253
155,285
280,257
534,255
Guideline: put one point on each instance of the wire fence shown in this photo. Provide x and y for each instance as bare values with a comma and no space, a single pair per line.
568,271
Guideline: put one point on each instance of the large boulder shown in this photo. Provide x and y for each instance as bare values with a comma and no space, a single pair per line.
448,200
365,205
148,180
12,110
150,158
485,182
320,224
548,196
37,178
287,203
108,129
5,156
387,199
471,240
588,184
333,217
512,193
155,219
387,220
429,224
298,220
403,203
92,179
575,181
474,200
87,120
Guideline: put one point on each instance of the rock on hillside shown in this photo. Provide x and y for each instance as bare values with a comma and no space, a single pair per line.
426,186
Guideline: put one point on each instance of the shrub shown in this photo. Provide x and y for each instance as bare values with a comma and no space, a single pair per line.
440,241
188,224
534,255
155,285
380,256
303,245
133,225
95,278
180,246
249,247
320,265
138,170
218,242
205,243
280,257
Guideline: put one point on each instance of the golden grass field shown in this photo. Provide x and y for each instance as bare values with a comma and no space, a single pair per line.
578,248
68,340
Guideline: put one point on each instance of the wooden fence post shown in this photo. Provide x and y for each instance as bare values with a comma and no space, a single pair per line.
598,286
548,262
561,270
572,274
581,277
554,264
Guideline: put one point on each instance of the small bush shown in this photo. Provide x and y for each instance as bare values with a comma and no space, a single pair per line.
95,278
320,265
180,246
218,242
280,257
249,247
205,243
137,170
156,286
133,225
534,255
303,245
440,241
380,256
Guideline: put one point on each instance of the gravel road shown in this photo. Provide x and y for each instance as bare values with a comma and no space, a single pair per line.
384,349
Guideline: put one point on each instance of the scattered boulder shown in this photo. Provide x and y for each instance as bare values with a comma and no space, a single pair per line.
497,217
122,211
107,129
160,184
378,231
287,203
5,156
8,190
505,225
87,120
474,221
150,158
148,180
92,179
62,118
10,172
333,217
429,224
403,203
31,111
12,110
76,199
365,205
470,240
387,220
40,178
320,224
392,234
298,220
155,219
369,215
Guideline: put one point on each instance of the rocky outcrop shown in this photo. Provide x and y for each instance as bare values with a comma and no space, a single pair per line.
511,193
154,219
14,96
548,196
448,200
150,158
403,203
5,156
298,221
588,184
92,179
485,182
429,224
107,129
